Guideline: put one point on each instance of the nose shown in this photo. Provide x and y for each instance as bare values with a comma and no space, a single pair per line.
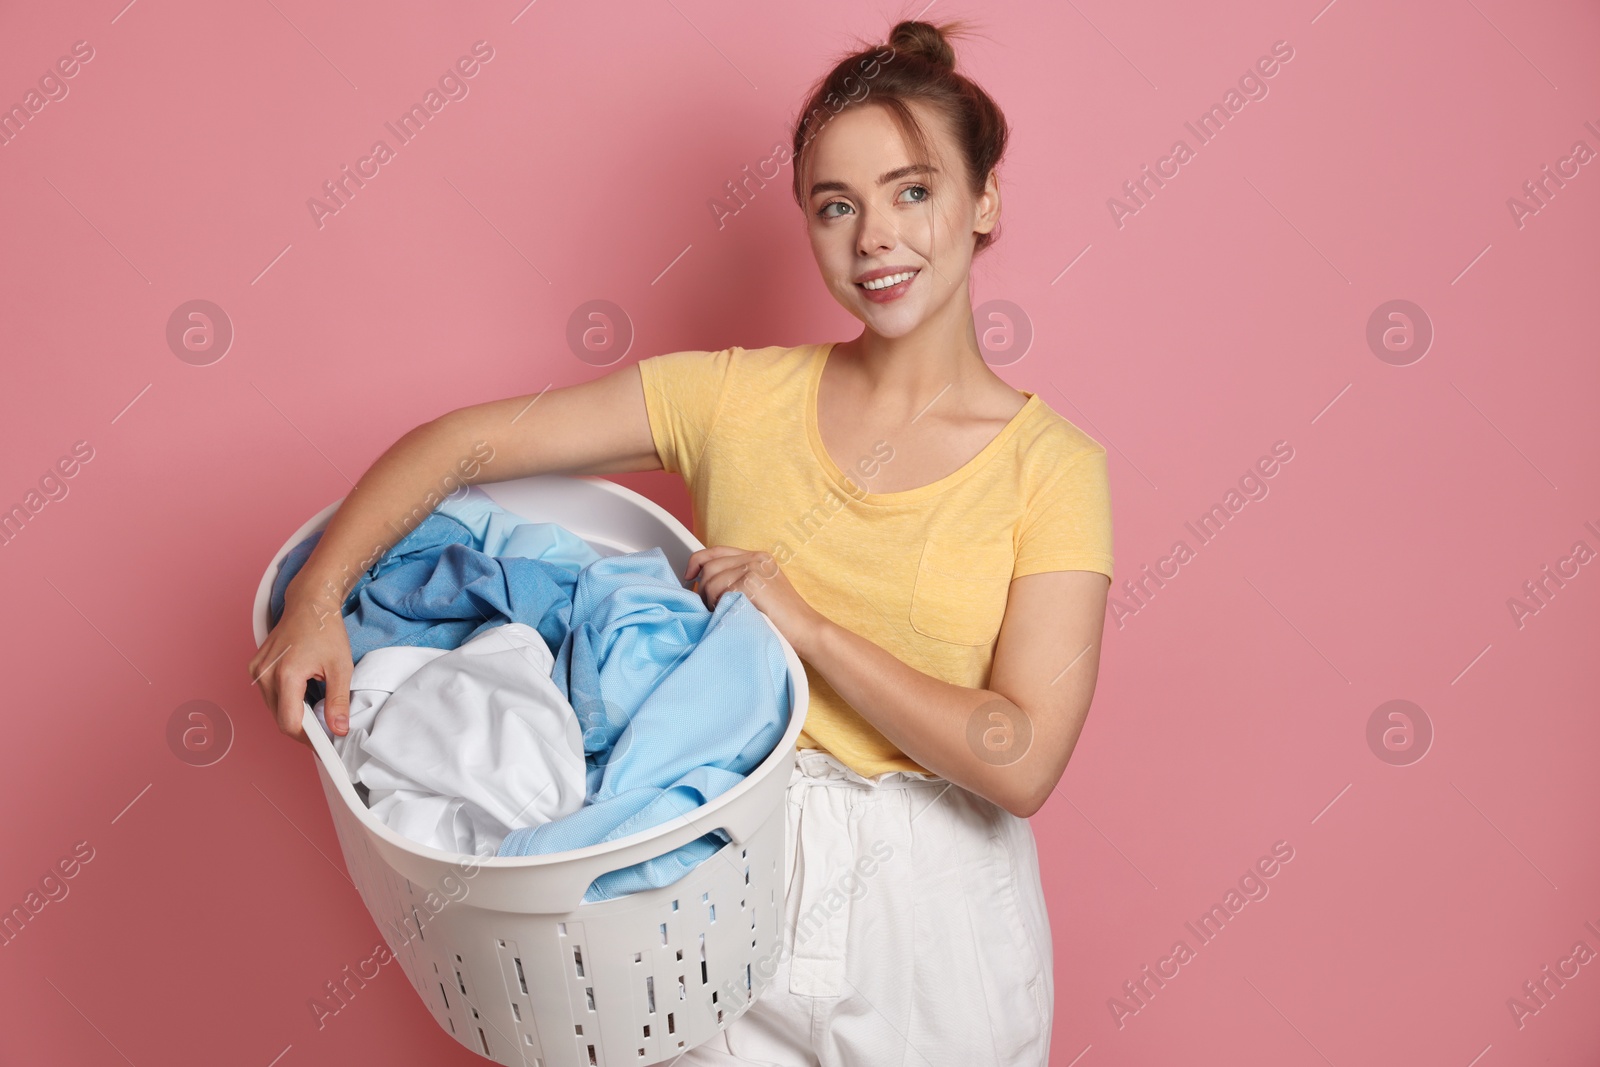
877,231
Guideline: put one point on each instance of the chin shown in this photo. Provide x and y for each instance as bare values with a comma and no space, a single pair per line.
892,326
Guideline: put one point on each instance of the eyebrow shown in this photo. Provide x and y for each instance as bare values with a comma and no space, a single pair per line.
883,179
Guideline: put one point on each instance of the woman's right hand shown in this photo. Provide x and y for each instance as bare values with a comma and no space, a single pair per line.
310,641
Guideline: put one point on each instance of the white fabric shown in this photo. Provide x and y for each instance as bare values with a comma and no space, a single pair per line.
915,932
458,748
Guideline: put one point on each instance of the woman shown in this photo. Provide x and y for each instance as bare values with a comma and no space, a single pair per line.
934,544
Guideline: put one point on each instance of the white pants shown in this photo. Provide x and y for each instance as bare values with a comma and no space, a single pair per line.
915,932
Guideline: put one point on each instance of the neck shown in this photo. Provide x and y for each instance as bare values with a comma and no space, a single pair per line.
942,351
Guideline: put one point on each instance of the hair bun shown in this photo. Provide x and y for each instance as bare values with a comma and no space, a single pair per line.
923,39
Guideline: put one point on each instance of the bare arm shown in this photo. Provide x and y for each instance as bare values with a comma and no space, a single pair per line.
597,427
1009,742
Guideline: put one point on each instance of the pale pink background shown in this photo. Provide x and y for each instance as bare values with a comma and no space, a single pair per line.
1229,314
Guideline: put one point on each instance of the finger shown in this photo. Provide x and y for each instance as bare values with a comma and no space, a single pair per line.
267,684
700,556
251,669
261,673
336,705
709,568
291,683
727,576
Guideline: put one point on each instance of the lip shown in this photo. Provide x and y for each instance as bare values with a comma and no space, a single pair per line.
894,292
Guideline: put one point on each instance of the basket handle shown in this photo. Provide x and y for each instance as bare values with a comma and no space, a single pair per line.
555,884
560,887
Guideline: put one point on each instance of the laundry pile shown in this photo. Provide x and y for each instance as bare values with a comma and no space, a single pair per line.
517,693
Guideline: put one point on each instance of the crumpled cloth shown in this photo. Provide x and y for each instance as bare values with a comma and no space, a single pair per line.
675,703
458,748
469,566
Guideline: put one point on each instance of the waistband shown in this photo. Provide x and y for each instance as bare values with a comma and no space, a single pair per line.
815,766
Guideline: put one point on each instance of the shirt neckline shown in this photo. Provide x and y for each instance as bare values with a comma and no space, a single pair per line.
851,489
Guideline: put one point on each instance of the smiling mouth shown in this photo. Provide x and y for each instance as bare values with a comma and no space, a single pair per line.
888,281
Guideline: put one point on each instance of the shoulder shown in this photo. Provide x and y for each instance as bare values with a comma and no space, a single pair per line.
772,358
778,359
1050,442
771,373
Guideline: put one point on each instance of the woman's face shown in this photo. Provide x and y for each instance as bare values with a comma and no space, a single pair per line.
870,206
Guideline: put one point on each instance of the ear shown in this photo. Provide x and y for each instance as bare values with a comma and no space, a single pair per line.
988,208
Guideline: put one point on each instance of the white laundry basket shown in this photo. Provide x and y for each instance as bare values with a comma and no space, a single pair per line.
503,950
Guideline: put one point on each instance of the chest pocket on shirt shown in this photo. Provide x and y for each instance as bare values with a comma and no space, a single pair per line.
960,591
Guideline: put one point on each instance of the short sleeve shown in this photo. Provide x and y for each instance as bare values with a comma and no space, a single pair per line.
1067,526
683,393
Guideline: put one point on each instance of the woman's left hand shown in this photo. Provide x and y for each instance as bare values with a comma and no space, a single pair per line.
721,568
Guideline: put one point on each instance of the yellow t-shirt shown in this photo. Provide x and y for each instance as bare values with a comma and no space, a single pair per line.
923,573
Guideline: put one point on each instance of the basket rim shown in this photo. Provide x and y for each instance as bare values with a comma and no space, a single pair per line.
333,769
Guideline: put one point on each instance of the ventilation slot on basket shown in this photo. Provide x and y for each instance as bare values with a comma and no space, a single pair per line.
703,977
577,958
522,979
459,983
650,996
445,995
588,992
592,1061
484,1040
672,1023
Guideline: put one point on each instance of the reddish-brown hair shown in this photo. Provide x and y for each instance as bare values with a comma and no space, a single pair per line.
916,63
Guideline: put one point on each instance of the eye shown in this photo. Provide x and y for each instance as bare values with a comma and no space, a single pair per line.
923,189
823,211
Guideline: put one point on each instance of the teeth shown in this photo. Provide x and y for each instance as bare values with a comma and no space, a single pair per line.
888,280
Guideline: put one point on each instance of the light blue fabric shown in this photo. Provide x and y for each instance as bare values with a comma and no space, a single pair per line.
436,588
677,703
515,571
498,532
